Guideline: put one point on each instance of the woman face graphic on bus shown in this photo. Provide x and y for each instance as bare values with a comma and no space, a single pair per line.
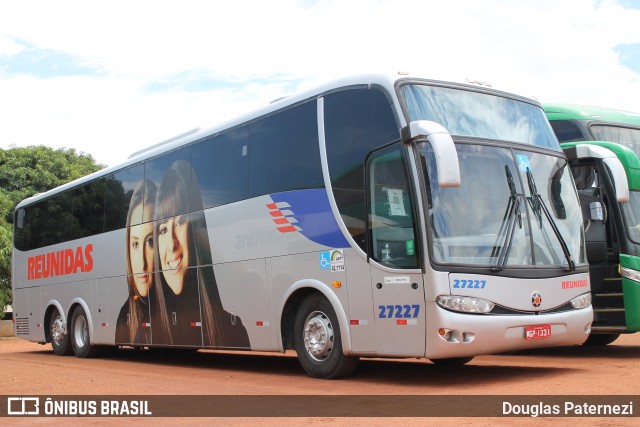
141,250
173,251
140,265
140,239
173,227
185,302
176,301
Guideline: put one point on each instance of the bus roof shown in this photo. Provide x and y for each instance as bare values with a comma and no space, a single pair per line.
386,80
586,112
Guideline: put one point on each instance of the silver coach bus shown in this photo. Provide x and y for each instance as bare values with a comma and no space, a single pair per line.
376,216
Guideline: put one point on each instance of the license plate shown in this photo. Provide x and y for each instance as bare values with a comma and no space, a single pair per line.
537,331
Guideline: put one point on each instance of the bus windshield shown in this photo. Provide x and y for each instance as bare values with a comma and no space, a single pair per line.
514,208
475,114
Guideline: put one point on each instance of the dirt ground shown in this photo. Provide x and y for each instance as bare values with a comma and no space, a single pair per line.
32,369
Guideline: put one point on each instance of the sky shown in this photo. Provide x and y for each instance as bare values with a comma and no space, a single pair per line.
109,78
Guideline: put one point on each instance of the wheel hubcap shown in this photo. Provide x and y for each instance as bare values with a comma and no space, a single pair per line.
81,331
57,330
318,336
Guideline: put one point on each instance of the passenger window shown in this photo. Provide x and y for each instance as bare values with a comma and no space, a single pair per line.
21,230
118,191
163,168
221,164
284,154
567,130
88,209
37,216
59,220
357,122
391,221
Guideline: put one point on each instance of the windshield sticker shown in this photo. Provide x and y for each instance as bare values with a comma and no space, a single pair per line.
523,162
396,202
410,246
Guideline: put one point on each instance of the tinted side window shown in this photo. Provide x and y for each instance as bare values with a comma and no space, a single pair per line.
58,219
221,164
391,226
155,171
21,229
118,191
88,209
356,122
37,224
567,130
284,153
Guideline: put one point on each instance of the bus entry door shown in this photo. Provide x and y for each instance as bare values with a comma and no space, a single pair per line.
398,288
399,313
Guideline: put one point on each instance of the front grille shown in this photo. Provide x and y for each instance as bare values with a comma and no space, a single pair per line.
498,309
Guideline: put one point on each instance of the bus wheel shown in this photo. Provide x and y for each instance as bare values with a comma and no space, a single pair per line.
317,340
601,339
452,361
80,339
59,338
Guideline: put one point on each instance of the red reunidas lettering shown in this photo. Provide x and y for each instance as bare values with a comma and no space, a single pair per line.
571,284
60,263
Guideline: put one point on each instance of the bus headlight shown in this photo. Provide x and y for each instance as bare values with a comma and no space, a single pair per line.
581,301
465,304
630,274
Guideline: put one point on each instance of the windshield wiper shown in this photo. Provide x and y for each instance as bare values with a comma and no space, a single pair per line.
508,226
539,207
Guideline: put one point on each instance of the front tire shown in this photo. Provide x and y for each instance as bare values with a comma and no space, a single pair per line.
80,336
600,339
318,341
60,341
452,361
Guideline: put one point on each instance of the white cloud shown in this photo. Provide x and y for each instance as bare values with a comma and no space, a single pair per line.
555,51
8,46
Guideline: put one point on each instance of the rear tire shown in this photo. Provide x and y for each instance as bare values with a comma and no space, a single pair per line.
452,361
60,341
600,339
80,336
318,341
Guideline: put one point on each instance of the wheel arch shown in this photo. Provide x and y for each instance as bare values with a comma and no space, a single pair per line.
291,300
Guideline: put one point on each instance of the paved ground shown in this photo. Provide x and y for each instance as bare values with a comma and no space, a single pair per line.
31,369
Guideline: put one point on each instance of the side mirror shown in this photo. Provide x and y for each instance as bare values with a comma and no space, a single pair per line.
608,157
443,147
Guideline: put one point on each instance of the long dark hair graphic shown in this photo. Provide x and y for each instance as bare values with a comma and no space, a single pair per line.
185,270
139,250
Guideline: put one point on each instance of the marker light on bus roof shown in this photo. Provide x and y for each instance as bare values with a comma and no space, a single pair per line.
478,82
465,304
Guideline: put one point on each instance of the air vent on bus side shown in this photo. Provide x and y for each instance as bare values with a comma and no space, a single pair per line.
22,326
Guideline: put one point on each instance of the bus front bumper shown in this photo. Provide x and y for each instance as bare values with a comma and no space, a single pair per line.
452,334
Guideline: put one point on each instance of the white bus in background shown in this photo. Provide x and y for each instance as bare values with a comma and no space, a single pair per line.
376,216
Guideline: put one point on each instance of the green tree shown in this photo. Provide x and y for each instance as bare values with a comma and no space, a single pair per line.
25,171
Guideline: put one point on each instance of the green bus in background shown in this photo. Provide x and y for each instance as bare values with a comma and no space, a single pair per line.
603,146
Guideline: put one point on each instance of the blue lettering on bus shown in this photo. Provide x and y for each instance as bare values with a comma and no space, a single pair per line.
398,311
469,284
